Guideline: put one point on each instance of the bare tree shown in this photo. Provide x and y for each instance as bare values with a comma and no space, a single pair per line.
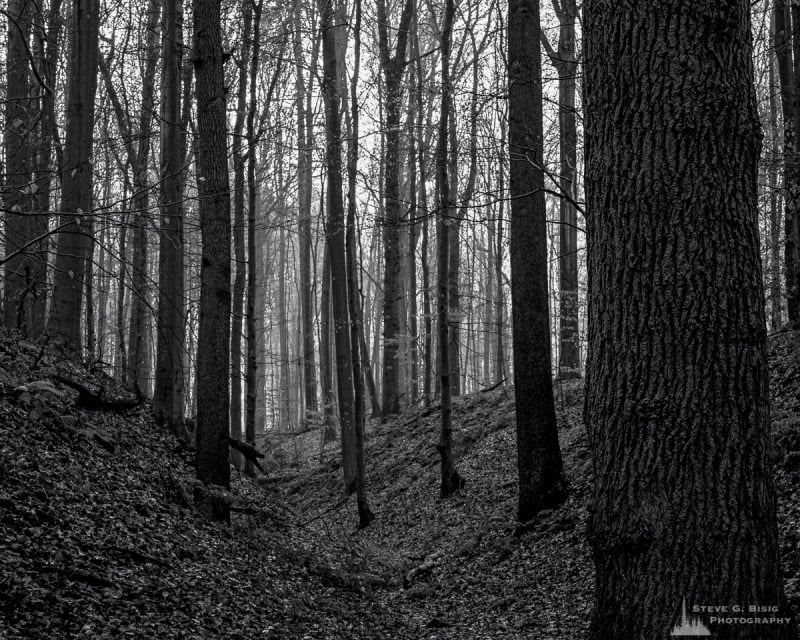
213,355
76,186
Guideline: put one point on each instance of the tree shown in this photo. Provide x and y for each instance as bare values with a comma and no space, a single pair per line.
168,392
241,265
305,144
335,235
64,319
677,399
565,61
451,480
541,482
213,341
393,66
788,76
23,291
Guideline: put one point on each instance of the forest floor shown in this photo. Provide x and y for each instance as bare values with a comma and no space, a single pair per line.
99,537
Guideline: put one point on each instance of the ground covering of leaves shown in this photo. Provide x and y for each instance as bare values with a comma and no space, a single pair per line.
99,537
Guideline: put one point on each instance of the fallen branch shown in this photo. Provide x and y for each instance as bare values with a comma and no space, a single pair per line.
96,400
248,451
494,386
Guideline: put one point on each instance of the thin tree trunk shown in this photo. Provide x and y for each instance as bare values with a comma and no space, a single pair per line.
541,483
788,72
213,355
17,194
240,270
566,64
393,65
451,480
335,232
168,396
255,303
76,187
775,288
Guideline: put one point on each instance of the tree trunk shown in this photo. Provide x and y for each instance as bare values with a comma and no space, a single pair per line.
335,232
168,393
18,195
326,366
255,303
677,396
791,154
240,270
566,64
393,66
451,480
76,186
213,343
775,287
541,482
305,142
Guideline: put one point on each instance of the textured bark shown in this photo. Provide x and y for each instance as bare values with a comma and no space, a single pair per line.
168,393
451,480
541,483
76,186
677,403
213,355
393,66
335,232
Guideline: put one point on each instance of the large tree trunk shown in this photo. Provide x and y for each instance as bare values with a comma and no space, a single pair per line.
677,400
168,393
76,186
393,66
541,483
213,343
335,232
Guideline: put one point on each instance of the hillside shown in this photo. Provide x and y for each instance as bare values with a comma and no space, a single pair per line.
99,538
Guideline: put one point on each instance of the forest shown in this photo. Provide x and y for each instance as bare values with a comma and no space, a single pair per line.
400,319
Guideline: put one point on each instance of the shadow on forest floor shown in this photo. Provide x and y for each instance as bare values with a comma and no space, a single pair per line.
99,537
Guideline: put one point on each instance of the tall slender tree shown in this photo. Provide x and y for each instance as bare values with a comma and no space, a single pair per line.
20,289
168,393
335,229
677,400
565,61
451,480
64,319
541,481
393,64
213,354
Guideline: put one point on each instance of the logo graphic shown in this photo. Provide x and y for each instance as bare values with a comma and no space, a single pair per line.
689,626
